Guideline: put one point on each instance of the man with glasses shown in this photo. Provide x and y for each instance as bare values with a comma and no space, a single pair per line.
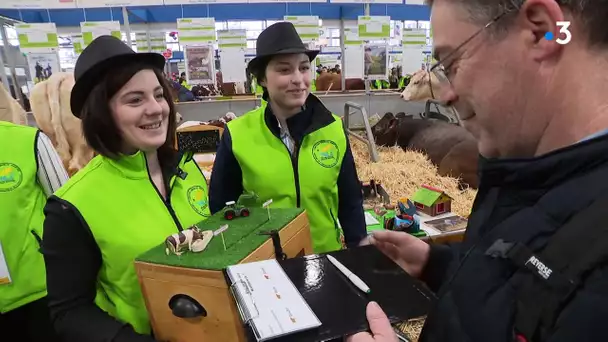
533,264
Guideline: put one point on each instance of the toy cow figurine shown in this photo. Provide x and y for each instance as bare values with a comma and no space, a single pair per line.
191,239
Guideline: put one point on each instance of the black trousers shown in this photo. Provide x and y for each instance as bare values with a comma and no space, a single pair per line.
31,322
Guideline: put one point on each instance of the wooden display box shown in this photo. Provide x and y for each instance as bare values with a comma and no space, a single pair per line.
200,275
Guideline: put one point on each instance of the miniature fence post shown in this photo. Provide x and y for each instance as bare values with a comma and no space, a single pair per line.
267,206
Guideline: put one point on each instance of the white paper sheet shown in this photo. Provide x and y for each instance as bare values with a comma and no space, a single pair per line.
232,63
275,305
354,61
5,276
370,220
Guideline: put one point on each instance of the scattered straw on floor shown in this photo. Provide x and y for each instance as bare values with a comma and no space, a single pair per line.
401,174
412,328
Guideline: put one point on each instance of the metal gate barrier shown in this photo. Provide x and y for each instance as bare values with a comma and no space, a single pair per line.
370,142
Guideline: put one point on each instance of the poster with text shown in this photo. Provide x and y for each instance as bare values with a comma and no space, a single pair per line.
200,64
42,65
375,61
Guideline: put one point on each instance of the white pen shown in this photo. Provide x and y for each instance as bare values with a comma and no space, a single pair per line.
350,275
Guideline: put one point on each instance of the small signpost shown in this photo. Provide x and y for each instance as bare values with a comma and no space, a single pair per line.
220,231
267,206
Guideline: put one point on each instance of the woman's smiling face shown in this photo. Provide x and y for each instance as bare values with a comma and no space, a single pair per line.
141,113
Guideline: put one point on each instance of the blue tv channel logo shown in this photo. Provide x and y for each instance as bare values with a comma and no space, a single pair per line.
563,28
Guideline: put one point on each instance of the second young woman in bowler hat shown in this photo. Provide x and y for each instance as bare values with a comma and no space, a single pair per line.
292,149
128,199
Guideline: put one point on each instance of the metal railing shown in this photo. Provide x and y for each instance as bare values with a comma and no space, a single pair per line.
370,142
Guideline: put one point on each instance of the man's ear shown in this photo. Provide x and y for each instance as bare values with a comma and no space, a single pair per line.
537,18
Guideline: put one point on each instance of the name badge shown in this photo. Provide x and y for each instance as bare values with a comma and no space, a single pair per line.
5,276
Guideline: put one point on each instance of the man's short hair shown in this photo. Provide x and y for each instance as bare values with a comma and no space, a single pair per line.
590,15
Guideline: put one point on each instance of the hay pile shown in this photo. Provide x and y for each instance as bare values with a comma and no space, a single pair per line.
401,174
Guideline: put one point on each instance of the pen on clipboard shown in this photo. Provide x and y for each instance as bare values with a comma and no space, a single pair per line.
350,275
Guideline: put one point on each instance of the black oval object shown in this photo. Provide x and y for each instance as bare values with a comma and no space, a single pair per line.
184,306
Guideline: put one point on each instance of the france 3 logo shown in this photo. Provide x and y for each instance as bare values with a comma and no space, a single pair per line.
563,30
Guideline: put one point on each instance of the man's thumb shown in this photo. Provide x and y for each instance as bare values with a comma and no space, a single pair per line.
378,322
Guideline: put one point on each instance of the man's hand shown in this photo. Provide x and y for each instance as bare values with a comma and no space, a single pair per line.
407,251
365,241
380,326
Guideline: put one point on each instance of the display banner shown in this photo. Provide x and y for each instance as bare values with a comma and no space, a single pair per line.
200,64
374,27
117,3
307,27
232,46
40,37
93,29
157,42
194,31
28,4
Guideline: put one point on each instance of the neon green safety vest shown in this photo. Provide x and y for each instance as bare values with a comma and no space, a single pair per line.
401,82
186,85
267,171
128,217
22,201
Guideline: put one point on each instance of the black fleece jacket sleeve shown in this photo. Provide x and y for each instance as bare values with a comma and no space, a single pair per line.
73,260
226,177
440,258
350,201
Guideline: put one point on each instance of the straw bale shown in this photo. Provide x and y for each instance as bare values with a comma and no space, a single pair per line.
403,172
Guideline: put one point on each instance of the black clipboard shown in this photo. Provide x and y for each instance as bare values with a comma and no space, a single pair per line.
339,304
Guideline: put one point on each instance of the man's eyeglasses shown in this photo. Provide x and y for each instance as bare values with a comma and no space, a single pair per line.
440,70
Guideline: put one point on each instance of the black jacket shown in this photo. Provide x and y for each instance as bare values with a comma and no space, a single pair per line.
522,201
227,181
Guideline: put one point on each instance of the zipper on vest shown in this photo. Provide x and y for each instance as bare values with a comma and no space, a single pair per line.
294,166
167,203
296,173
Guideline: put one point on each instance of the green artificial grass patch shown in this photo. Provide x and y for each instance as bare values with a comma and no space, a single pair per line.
241,238
380,226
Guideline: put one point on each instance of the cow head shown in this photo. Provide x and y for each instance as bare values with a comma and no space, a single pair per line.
385,130
423,86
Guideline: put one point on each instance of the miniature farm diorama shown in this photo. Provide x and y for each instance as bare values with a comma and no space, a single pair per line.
428,206
186,270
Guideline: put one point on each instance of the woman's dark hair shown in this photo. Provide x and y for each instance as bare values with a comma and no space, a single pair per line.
98,124
259,71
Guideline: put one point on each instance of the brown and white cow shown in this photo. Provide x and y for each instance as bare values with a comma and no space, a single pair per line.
332,81
50,101
423,86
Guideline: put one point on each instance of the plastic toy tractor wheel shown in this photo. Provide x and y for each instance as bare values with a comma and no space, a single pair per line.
229,214
244,212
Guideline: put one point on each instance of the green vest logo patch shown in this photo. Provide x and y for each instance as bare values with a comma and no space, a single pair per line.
197,198
325,153
10,177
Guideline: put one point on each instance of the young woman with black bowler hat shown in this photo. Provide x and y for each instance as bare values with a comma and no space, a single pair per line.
128,199
292,149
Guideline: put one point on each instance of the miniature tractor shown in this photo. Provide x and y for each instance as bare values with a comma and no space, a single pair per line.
233,210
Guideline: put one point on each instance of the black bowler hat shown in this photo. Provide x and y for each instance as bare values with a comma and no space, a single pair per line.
279,39
98,58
